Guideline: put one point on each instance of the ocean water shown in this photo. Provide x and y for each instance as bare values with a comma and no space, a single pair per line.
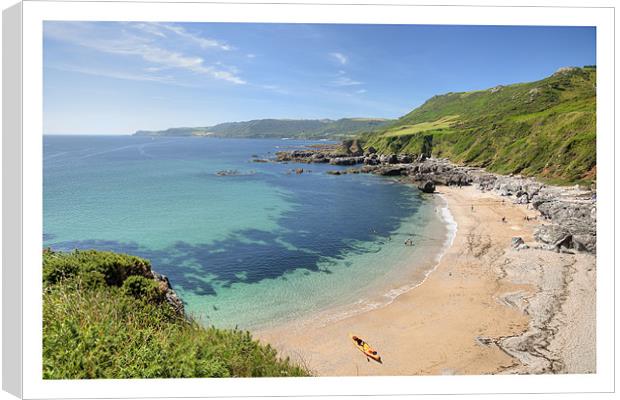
253,249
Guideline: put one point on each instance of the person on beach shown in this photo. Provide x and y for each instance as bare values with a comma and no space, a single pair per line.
504,219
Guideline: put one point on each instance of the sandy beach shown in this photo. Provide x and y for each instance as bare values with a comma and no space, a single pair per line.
486,309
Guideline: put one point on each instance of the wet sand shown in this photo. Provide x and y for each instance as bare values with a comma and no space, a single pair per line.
487,308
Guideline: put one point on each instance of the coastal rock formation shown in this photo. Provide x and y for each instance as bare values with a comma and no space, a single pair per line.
370,150
574,209
554,235
570,211
388,159
353,147
345,160
390,170
171,296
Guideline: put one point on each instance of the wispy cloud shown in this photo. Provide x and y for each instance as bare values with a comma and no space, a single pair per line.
361,91
201,41
339,57
132,44
345,81
115,74
149,28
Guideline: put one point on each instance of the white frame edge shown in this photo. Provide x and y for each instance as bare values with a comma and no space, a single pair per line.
12,200
22,84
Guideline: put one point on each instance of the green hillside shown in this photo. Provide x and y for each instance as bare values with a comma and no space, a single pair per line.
545,128
105,316
279,128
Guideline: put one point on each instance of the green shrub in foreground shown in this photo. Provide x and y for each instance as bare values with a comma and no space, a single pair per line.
114,267
93,329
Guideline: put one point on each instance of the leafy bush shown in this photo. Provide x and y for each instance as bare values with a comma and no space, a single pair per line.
140,287
56,269
114,267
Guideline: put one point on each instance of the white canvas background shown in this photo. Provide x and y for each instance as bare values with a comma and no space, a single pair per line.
602,381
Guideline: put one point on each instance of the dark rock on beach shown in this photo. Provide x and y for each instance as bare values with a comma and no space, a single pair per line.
427,187
518,243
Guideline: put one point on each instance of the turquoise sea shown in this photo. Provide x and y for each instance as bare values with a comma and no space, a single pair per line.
253,249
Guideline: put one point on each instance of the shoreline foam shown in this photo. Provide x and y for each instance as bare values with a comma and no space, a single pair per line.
452,228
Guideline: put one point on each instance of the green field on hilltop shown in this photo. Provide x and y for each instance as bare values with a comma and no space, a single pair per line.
406,130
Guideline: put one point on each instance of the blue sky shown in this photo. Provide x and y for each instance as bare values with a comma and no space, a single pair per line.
118,77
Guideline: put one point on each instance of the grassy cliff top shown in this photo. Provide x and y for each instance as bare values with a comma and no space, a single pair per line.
104,316
545,128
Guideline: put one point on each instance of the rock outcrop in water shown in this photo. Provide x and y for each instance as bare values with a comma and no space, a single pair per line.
569,212
234,172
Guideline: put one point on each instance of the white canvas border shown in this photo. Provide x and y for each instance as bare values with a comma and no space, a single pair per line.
35,12
11,201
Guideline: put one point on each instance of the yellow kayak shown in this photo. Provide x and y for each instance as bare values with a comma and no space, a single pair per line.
366,349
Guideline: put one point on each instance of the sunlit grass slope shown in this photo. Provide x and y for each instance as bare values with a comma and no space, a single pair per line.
545,128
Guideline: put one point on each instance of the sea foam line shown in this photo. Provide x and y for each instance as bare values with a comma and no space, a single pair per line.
393,294
452,227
